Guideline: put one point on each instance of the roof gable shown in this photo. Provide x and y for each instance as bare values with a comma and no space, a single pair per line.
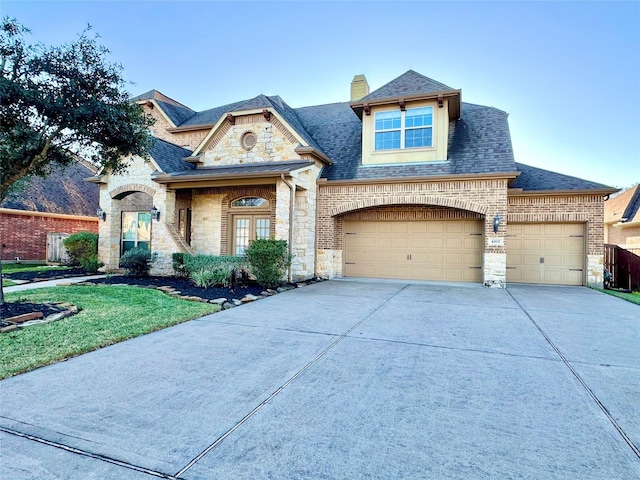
408,84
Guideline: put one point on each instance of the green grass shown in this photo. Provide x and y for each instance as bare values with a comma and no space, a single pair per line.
629,297
108,315
9,268
7,283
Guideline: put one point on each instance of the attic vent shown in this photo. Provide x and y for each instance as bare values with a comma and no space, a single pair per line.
248,140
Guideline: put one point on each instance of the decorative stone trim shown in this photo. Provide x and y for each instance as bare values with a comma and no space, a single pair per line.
37,318
410,200
131,187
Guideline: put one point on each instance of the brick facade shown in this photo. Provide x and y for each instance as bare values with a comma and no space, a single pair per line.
444,199
24,234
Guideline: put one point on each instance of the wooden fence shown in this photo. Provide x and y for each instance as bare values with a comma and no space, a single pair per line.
624,267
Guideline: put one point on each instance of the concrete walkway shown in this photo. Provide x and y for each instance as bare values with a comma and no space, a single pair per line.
347,380
50,283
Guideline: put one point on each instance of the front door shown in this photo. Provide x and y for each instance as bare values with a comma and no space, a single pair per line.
247,228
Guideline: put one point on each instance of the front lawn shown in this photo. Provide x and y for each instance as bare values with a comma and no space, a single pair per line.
9,268
13,268
109,314
633,297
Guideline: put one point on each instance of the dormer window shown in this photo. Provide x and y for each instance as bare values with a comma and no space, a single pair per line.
411,128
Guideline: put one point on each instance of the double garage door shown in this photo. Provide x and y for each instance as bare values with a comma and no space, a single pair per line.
446,250
452,250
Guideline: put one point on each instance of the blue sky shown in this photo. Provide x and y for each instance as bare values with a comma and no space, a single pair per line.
568,73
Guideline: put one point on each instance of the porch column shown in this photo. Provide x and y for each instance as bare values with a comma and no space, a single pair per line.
162,245
109,230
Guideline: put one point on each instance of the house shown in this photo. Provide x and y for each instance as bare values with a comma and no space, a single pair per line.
406,181
622,220
39,213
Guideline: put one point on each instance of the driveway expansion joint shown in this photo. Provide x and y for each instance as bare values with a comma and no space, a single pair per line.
88,454
575,373
274,394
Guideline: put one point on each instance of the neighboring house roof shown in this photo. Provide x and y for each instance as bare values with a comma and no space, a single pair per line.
537,179
64,191
407,84
624,207
170,157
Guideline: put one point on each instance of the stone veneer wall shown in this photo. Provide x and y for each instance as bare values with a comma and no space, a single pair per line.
136,179
460,198
274,143
587,209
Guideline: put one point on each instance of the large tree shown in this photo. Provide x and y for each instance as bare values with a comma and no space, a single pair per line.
60,102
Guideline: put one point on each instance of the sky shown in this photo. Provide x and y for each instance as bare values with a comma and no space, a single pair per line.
568,73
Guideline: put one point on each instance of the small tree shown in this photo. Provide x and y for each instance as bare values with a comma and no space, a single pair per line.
269,261
60,102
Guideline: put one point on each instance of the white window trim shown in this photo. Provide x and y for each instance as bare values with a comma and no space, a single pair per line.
402,131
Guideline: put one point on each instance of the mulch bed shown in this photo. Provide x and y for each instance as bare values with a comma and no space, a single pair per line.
184,286
14,309
52,274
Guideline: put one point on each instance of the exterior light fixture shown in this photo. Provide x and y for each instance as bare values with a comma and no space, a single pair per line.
155,213
101,214
496,223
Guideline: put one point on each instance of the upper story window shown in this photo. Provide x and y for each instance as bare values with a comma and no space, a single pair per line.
411,128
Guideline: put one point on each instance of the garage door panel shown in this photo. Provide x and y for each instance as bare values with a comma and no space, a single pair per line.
545,253
428,250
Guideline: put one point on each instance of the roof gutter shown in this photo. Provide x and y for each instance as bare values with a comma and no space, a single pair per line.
422,179
315,153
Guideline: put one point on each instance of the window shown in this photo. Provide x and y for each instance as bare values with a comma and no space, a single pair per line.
247,228
249,202
396,129
184,224
136,230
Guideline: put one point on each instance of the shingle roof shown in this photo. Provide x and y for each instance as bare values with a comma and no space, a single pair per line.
64,191
169,157
624,205
478,143
537,179
211,116
177,112
409,83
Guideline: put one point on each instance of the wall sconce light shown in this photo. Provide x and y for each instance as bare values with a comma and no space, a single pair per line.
155,213
101,214
496,223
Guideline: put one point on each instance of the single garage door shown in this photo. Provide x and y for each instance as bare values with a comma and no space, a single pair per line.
550,253
418,250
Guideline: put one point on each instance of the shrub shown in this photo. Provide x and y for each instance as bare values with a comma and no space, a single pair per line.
83,250
209,270
137,262
203,278
269,260
179,268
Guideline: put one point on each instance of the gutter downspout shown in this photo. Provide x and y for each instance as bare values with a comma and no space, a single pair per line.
292,190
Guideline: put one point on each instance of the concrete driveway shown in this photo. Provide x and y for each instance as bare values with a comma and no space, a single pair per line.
347,380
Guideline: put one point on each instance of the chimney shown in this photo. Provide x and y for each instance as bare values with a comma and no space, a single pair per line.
359,87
